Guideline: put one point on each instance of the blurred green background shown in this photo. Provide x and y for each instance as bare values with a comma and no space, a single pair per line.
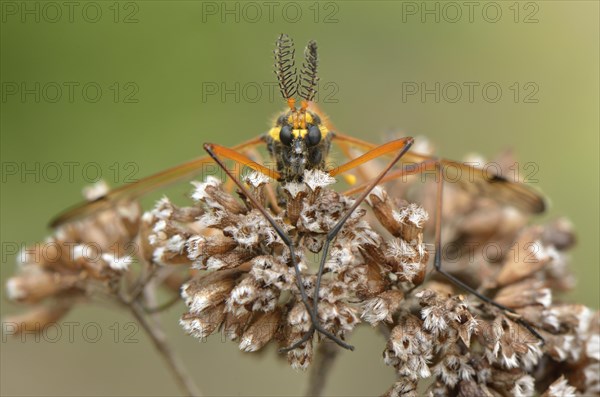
156,63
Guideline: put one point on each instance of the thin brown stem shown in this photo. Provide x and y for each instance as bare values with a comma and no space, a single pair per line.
174,363
321,367
163,306
140,284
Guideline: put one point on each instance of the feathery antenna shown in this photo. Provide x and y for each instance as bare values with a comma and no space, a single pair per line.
308,76
285,66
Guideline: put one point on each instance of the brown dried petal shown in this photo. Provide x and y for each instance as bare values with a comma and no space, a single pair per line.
526,257
374,284
165,257
470,388
36,285
413,218
200,248
235,325
524,293
108,228
513,382
269,270
382,307
301,357
209,290
384,210
402,388
213,194
261,331
560,388
294,203
205,323
34,320
228,260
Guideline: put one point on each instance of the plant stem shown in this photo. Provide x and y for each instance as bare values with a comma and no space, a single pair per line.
164,306
184,380
324,359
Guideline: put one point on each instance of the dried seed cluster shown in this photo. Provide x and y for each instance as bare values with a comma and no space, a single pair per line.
474,349
81,259
247,283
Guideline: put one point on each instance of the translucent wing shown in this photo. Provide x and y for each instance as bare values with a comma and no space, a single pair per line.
472,179
141,187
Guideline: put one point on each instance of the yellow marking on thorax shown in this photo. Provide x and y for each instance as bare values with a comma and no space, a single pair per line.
274,133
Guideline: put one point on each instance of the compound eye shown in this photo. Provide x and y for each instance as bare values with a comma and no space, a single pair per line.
285,135
313,137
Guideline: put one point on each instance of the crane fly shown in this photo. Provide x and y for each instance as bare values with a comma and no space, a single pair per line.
300,140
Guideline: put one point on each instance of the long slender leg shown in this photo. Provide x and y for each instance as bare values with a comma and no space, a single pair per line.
385,149
471,179
419,168
345,149
407,170
437,259
269,190
402,146
214,151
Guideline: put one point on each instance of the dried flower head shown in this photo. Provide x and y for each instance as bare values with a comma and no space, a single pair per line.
78,261
475,349
246,281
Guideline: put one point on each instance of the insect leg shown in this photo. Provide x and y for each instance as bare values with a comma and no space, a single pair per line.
214,151
269,190
401,146
420,168
437,260
471,178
